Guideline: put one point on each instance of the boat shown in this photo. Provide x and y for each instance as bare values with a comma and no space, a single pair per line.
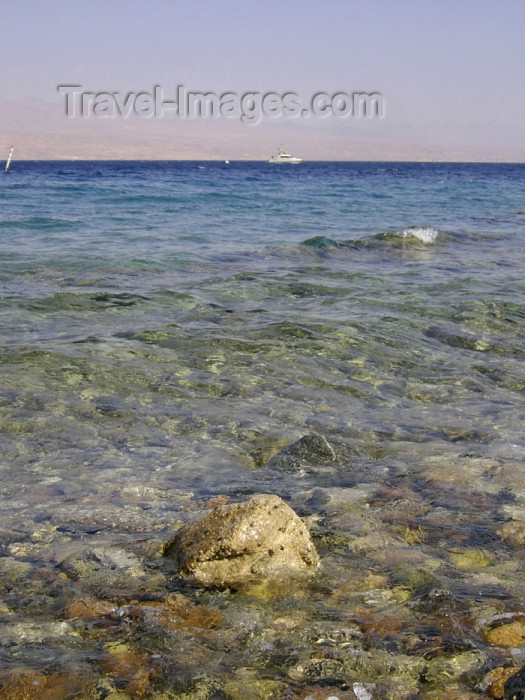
284,157
9,157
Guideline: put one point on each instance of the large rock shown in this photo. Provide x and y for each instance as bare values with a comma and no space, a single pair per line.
238,542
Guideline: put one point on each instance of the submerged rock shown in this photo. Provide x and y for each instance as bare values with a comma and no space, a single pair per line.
311,461
515,686
311,455
109,406
133,671
28,632
253,689
510,634
102,563
86,607
454,666
400,673
493,682
21,683
320,242
313,449
12,569
237,542
513,533
171,612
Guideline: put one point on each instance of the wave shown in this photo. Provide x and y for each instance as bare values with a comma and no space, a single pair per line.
421,234
424,234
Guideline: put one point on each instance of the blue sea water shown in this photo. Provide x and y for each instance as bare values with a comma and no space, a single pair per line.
167,327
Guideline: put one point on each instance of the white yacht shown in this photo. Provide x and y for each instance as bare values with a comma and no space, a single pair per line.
283,157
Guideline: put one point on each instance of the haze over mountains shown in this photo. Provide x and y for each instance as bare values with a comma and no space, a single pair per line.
41,130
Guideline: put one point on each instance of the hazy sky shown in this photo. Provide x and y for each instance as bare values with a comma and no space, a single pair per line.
450,72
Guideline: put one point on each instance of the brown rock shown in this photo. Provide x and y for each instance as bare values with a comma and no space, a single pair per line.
174,612
28,684
192,615
387,494
236,542
494,681
511,634
85,607
377,625
513,533
131,670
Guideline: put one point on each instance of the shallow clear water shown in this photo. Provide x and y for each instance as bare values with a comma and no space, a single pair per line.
167,328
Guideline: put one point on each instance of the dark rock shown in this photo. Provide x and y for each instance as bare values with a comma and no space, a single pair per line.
313,456
109,406
515,686
310,448
309,453
320,242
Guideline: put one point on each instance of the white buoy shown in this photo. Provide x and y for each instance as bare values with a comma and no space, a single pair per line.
9,157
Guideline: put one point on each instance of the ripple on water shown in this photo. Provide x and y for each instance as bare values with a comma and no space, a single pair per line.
156,368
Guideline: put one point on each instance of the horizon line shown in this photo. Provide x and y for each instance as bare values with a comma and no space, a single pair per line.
75,159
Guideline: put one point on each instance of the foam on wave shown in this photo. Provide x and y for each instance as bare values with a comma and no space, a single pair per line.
424,234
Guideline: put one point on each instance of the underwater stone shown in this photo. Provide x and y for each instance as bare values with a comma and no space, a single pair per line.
174,611
493,682
515,686
28,632
310,450
236,542
320,242
102,562
86,607
109,406
443,668
314,449
252,689
12,569
513,533
134,671
317,461
511,634
452,692
21,683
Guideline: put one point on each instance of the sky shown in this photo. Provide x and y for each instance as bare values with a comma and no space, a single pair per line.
448,73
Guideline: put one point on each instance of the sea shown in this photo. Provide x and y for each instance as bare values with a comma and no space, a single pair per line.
169,328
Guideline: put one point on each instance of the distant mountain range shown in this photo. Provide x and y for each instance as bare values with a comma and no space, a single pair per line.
41,130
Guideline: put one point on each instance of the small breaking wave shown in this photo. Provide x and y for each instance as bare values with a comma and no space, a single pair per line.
421,234
424,234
